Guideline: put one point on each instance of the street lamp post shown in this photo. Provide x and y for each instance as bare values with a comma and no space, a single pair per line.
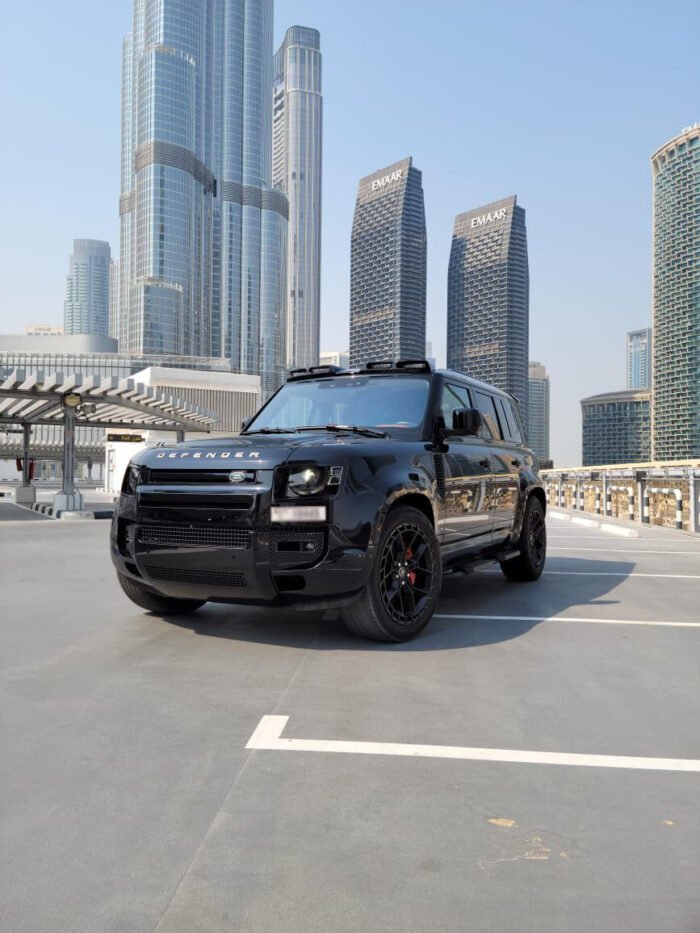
69,499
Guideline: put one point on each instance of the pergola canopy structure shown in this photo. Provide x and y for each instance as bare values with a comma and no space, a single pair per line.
72,399
108,402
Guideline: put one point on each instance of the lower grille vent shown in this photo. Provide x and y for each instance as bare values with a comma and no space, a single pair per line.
296,547
196,577
196,536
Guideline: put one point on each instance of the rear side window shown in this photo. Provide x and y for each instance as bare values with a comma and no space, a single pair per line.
509,422
487,406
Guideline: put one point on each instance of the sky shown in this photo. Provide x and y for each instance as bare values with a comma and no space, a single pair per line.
561,102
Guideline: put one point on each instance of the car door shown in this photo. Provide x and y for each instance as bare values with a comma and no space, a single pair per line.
507,460
467,523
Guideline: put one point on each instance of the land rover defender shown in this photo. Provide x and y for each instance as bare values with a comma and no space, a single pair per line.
355,489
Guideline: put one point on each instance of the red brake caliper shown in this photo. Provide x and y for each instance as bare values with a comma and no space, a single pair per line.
411,573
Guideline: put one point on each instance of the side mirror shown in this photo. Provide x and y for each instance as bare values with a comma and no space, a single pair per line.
466,421
245,423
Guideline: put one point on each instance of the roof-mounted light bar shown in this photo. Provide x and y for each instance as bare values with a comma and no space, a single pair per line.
379,364
421,366
329,370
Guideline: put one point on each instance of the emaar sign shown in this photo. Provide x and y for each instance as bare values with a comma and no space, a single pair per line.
379,183
489,218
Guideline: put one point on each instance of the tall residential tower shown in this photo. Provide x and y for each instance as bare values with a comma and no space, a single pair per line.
388,266
296,170
86,307
639,359
488,297
203,233
538,411
676,298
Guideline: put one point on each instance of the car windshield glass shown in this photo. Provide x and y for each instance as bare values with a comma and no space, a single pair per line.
391,404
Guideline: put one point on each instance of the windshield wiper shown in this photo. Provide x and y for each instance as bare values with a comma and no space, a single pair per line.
353,428
270,431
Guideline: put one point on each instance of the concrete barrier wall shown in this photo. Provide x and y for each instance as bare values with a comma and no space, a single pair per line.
655,494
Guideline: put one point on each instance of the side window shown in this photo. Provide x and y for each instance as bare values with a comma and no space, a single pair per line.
487,406
453,397
509,421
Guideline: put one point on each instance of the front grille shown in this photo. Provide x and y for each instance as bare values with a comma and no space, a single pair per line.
192,477
196,536
295,548
196,577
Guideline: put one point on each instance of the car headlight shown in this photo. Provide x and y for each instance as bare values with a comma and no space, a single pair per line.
132,478
310,479
306,481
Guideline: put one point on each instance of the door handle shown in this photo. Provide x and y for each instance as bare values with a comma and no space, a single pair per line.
484,463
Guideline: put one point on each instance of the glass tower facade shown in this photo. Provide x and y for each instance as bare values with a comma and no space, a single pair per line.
639,359
488,289
86,308
203,234
538,411
616,428
676,298
296,170
388,266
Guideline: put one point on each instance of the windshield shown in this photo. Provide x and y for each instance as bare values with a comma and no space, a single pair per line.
385,403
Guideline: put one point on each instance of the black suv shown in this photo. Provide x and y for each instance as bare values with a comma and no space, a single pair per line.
356,489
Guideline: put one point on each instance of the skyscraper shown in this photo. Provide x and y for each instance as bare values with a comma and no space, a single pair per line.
538,411
114,299
615,427
388,266
488,297
203,233
639,359
86,307
296,170
676,298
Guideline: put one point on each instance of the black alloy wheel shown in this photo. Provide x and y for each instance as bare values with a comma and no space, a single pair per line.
404,583
406,573
529,564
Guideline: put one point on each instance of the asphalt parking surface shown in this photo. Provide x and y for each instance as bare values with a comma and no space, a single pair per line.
131,803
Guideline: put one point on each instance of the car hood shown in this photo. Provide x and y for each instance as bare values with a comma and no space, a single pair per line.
264,451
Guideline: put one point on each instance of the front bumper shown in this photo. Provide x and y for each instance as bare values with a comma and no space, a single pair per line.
224,556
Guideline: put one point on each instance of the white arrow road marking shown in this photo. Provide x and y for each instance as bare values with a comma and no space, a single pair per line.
268,736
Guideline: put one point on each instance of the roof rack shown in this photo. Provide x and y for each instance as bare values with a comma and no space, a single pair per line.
420,366
374,366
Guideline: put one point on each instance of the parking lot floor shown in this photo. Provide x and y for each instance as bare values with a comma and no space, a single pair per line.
131,803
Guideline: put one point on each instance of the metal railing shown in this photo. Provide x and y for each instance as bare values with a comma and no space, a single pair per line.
664,494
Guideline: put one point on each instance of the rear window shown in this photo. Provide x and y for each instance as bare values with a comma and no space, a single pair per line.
509,421
487,406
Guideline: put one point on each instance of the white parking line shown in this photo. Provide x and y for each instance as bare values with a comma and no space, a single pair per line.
621,550
608,573
604,573
268,736
652,622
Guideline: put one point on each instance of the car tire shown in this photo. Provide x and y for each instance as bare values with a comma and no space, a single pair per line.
405,580
529,563
154,602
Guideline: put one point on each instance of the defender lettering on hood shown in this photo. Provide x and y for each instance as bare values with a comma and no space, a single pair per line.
208,455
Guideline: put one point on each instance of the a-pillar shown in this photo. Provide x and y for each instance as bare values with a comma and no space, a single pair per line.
68,499
26,493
